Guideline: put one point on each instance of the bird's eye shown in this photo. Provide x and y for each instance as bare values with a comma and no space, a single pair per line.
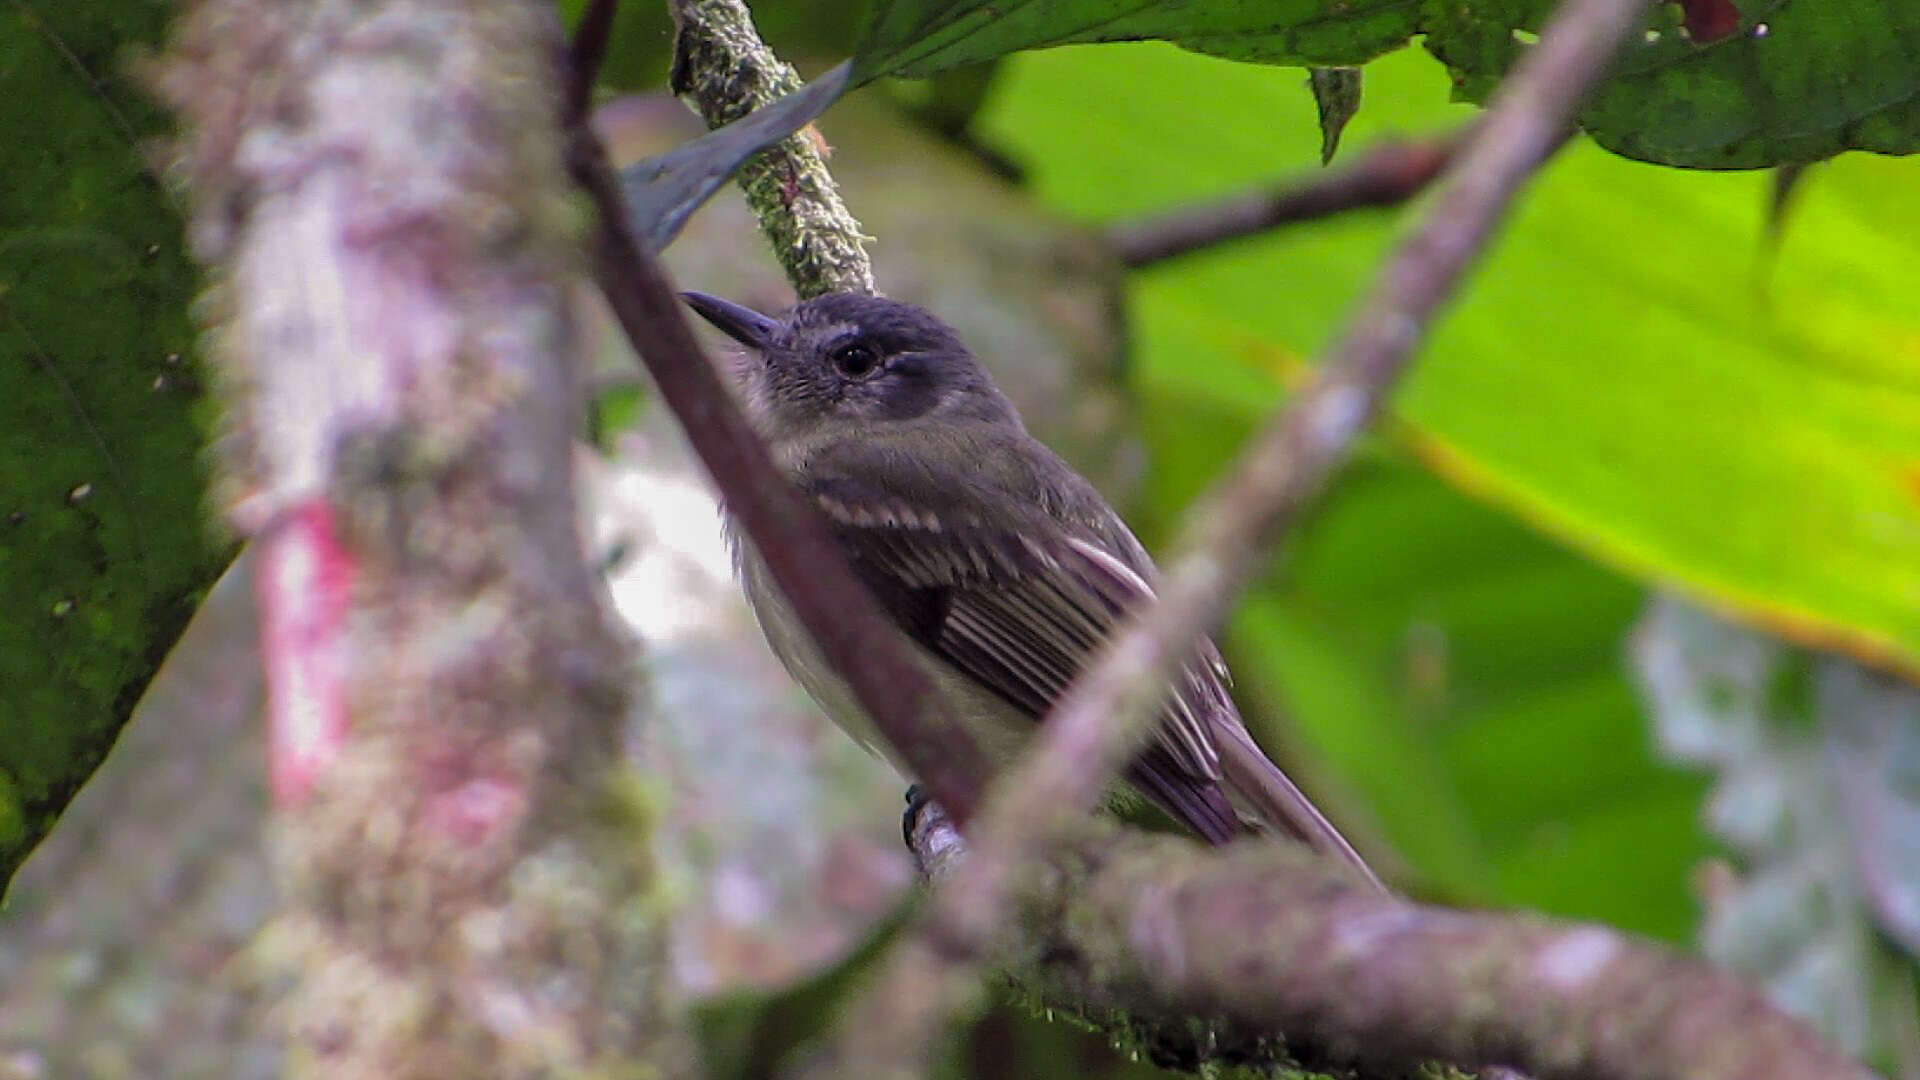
855,359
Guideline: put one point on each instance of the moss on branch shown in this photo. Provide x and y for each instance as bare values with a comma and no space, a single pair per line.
725,71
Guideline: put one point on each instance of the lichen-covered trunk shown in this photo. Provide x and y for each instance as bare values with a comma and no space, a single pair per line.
379,191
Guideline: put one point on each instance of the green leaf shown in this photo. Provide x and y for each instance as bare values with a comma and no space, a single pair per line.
1449,682
640,51
1616,372
1800,82
103,547
916,38
1795,82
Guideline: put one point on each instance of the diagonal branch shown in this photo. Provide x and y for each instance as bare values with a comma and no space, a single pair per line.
585,53
1104,716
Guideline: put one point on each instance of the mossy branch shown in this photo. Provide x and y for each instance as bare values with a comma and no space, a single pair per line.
1200,957
378,187
725,71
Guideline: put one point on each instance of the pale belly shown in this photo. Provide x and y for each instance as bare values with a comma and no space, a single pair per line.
998,728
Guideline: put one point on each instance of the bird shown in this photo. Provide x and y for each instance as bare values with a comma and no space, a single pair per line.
1003,569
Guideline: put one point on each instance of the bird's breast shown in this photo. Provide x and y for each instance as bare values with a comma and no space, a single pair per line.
996,726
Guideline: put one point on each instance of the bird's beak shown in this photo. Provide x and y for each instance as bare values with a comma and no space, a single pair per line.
742,324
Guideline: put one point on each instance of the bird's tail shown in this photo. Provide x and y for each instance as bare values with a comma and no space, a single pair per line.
1261,787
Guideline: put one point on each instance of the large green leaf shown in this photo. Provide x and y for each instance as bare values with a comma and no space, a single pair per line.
1450,683
1794,81
1627,370
103,551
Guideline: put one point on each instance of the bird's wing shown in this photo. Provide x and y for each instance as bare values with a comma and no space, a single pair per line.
1017,609
1015,577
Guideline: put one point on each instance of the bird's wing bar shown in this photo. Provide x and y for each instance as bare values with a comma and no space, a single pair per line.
1019,610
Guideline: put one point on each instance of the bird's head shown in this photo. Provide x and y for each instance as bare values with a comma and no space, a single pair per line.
846,359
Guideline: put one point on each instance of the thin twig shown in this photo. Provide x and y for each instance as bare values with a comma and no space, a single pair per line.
585,53
835,608
1104,716
726,71
1386,175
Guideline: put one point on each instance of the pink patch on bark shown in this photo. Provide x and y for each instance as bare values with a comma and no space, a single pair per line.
478,810
304,583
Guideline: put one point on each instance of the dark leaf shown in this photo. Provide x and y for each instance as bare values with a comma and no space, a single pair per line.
950,99
1772,83
1336,93
104,550
1786,180
663,191
921,37
1797,82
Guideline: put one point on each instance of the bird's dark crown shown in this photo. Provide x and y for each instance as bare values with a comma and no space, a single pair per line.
854,358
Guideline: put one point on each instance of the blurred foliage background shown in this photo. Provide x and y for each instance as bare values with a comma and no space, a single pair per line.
1664,390
1651,382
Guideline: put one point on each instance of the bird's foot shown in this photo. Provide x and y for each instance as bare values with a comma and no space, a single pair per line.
917,803
930,835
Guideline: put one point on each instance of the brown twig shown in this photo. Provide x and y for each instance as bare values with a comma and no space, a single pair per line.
836,609
585,53
1099,723
1386,175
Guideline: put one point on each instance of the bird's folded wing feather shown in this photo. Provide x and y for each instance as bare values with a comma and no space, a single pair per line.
1017,609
